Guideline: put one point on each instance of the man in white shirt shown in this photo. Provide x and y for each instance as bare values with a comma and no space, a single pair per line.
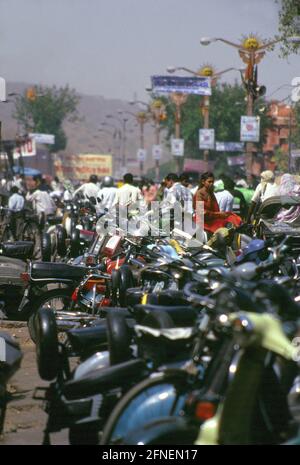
16,205
42,203
223,196
88,189
106,195
128,194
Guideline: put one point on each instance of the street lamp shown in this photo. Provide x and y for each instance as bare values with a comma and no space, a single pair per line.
141,117
158,111
123,122
252,51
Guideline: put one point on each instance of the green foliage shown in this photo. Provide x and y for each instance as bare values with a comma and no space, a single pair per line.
295,133
281,159
227,105
288,12
47,111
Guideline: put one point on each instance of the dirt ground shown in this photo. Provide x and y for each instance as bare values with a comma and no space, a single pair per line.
25,418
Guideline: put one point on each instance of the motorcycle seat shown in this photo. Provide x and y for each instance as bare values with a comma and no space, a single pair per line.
51,270
18,249
100,381
88,339
181,315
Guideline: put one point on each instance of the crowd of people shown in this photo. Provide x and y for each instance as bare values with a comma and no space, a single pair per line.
225,201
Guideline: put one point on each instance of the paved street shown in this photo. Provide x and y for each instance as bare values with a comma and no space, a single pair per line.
25,419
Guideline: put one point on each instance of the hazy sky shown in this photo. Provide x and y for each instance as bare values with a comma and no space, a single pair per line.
112,47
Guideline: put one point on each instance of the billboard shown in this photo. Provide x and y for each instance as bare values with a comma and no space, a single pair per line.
42,138
230,146
28,149
177,147
80,167
164,85
250,128
206,139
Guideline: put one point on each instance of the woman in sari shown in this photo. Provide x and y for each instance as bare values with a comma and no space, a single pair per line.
213,217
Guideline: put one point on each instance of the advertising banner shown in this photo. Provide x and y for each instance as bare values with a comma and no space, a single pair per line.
230,146
156,152
206,139
250,128
236,161
141,154
178,147
28,149
80,167
43,138
162,85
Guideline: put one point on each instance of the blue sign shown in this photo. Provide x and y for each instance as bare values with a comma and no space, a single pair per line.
162,85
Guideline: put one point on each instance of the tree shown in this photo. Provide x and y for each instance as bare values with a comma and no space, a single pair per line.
227,105
289,24
44,109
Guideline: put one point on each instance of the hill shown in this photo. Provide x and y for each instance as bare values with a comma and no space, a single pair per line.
84,135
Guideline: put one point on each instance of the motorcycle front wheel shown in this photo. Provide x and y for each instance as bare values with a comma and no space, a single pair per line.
56,299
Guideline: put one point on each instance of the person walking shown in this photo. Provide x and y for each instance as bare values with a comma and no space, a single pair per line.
128,194
16,204
42,203
88,189
106,195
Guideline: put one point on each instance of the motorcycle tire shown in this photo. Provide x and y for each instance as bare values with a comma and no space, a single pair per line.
45,301
126,281
115,287
61,236
119,338
47,353
75,243
46,248
142,404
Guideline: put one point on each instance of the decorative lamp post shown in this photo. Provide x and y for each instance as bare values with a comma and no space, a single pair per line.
251,50
158,111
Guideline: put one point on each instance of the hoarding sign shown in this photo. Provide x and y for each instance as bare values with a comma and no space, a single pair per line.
178,147
206,139
236,161
82,166
27,149
162,85
250,128
141,154
230,146
43,138
156,152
